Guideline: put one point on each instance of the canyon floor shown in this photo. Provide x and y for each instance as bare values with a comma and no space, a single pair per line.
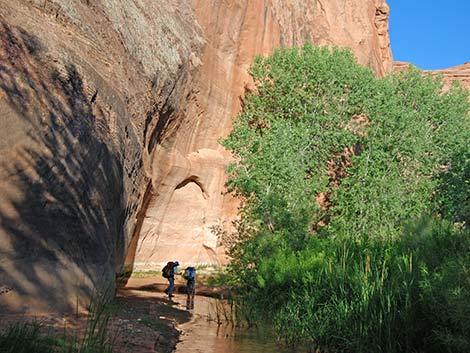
142,318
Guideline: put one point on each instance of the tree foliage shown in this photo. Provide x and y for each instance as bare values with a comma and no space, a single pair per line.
350,184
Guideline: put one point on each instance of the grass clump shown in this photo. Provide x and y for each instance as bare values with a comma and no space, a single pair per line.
145,274
26,338
34,338
353,232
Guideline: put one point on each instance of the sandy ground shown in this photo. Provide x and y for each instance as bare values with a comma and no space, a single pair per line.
143,319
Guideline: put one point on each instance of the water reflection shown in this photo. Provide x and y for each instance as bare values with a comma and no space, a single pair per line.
205,334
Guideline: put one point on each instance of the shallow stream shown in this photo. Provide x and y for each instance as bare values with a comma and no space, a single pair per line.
203,335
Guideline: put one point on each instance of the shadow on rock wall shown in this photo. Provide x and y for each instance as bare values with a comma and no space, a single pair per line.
60,186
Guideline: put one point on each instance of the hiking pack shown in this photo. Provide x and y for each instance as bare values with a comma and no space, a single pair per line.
190,273
168,269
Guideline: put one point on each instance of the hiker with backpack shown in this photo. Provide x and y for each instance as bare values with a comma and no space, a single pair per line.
168,272
190,277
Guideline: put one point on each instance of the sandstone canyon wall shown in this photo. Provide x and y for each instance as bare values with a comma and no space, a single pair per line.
84,87
110,113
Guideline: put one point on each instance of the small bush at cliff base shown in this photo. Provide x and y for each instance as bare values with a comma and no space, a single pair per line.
352,236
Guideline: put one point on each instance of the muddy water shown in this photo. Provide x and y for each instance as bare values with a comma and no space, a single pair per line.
203,335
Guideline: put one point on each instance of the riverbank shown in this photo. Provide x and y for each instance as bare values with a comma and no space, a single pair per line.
141,318
138,322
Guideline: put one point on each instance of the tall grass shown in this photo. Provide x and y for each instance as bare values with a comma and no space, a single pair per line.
96,337
405,295
33,337
26,338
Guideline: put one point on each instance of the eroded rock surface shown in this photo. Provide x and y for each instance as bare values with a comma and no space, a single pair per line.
110,116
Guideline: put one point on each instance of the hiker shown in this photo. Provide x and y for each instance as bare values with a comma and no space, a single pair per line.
190,277
168,272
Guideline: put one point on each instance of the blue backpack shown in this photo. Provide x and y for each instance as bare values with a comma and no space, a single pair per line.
190,273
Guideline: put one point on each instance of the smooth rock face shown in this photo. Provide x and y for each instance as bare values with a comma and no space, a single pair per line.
187,203
110,116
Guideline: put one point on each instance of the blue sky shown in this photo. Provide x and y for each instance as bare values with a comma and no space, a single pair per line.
431,34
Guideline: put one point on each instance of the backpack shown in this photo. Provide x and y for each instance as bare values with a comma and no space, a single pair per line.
167,270
190,273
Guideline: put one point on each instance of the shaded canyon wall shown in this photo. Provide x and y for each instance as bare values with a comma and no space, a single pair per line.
85,88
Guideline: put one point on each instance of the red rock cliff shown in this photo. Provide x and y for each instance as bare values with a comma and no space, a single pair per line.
188,167
110,113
